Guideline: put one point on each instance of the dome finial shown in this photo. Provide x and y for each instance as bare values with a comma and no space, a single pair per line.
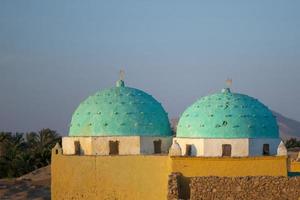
120,82
121,75
228,82
228,85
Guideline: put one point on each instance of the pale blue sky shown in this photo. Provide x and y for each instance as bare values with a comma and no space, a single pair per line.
53,54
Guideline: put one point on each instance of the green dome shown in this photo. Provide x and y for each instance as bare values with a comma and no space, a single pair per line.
227,115
120,111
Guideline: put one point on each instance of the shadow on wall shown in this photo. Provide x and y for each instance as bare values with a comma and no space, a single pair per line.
178,186
184,187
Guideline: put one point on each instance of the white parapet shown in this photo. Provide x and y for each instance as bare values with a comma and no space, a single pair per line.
124,145
236,147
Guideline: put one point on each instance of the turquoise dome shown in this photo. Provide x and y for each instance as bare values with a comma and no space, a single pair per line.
227,115
120,111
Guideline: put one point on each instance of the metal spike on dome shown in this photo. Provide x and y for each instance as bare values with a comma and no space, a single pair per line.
121,75
229,82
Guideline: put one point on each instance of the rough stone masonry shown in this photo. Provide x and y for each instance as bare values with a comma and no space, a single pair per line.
241,188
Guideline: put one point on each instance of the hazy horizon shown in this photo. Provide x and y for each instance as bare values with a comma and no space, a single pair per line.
54,54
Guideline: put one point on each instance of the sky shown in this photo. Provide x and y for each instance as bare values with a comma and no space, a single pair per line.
54,54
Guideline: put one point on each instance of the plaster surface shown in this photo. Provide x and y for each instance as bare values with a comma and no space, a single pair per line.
242,147
145,177
128,145
256,146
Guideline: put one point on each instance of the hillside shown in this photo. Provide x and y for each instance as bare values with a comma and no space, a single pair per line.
288,128
34,185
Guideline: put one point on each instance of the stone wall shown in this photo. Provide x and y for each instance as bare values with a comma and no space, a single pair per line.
146,176
242,188
173,186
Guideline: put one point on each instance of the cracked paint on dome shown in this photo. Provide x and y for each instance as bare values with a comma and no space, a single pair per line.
120,111
227,115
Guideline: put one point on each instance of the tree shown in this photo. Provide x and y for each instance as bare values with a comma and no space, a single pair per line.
21,153
12,149
292,143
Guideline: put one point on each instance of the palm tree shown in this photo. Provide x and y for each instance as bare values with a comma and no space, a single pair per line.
41,145
20,154
12,148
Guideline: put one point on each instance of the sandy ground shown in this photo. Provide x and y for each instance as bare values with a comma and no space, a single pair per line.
33,186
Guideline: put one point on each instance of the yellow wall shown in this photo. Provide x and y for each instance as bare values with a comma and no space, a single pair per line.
294,167
109,177
244,166
144,177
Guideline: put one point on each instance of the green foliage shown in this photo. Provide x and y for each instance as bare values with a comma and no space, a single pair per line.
21,153
292,143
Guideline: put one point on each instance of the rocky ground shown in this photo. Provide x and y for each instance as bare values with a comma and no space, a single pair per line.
33,186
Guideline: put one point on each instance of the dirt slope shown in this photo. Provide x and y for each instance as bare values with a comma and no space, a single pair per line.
34,185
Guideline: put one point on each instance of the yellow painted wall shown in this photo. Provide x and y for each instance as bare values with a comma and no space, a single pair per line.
73,176
244,166
144,177
109,177
294,167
